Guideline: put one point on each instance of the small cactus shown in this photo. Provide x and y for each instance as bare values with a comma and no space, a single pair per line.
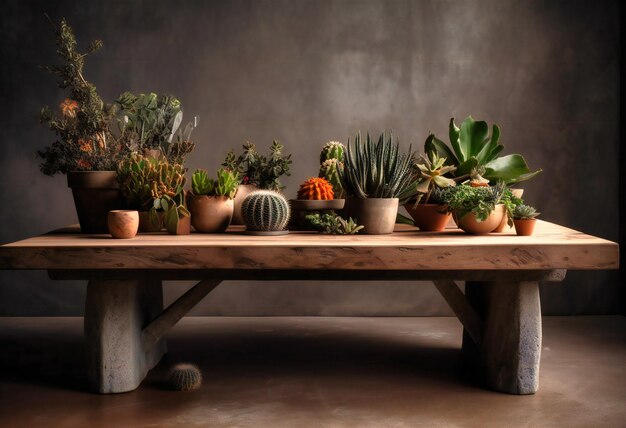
265,211
332,150
329,170
185,377
316,189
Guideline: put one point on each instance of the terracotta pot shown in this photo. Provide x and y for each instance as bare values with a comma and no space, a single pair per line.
123,224
184,226
377,215
470,225
525,227
505,220
144,222
429,217
210,214
242,191
95,194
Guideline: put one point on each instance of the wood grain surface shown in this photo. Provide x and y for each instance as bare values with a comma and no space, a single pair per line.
551,247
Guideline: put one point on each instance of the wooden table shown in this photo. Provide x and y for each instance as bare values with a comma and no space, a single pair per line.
500,309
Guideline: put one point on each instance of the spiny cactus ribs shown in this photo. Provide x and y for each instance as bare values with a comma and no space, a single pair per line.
332,150
316,189
329,171
265,211
185,377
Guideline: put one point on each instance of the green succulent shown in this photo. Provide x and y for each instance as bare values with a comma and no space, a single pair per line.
525,212
432,169
472,146
225,185
332,150
331,223
465,199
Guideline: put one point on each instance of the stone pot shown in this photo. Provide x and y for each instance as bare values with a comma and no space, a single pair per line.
377,215
123,224
470,225
95,194
242,191
210,214
144,222
429,217
505,220
525,227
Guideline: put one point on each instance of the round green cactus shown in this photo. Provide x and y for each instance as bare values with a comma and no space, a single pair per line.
332,150
329,170
265,211
185,377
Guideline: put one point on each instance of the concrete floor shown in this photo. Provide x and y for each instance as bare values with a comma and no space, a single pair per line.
315,372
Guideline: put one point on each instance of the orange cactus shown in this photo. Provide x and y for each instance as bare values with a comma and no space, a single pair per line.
316,189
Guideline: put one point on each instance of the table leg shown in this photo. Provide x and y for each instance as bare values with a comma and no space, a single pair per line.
510,352
115,314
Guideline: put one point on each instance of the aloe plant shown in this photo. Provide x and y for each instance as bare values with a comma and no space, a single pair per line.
377,170
471,146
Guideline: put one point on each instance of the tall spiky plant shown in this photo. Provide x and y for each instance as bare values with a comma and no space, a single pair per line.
377,170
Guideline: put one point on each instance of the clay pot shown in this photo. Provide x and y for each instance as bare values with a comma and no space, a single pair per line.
123,224
144,222
95,194
429,217
242,191
184,226
470,225
377,215
505,220
210,214
525,227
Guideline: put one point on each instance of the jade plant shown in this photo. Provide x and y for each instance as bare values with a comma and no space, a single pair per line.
225,184
156,186
377,170
465,199
259,170
524,212
331,161
471,146
331,223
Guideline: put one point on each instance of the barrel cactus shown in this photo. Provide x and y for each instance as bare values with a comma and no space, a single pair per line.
332,150
329,171
316,189
265,211
185,377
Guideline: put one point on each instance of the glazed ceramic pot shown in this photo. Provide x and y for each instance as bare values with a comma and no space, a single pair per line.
210,214
525,227
377,215
469,224
242,191
123,224
504,224
95,194
429,217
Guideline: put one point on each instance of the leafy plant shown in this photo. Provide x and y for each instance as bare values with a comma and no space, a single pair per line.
511,202
480,201
525,212
84,141
225,184
472,146
377,170
331,223
259,170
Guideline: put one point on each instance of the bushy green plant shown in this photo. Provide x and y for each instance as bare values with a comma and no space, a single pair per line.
84,141
331,223
225,184
525,212
261,171
465,199
471,146
511,202
377,170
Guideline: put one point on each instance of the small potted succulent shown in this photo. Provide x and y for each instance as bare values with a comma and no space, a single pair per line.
331,224
476,210
331,161
210,201
257,172
314,195
154,187
265,212
84,148
524,217
427,210
375,177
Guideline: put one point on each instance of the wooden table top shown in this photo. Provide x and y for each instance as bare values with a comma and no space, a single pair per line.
551,247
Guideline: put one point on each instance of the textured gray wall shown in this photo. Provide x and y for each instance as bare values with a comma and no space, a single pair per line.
306,72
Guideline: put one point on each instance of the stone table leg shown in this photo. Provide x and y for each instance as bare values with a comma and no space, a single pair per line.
509,354
115,314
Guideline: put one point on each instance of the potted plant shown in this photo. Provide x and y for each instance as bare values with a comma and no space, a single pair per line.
210,201
511,200
265,212
472,147
257,172
425,207
84,149
524,219
314,195
331,161
374,177
476,210
154,187
332,224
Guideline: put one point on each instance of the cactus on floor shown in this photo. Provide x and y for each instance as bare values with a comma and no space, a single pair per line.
265,211
316,189
185,377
